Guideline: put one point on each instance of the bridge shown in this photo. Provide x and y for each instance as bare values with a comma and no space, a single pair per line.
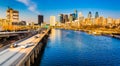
7,34
25,52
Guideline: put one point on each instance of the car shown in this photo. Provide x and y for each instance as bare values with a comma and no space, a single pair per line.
36,36
29,44
24,46
13,45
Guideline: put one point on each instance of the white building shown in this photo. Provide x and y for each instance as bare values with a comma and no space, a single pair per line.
109,20
80,17
52,20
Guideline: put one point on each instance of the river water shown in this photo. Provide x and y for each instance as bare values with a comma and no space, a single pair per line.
75,48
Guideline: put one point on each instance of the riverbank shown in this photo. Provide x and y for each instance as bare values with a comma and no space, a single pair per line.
115,33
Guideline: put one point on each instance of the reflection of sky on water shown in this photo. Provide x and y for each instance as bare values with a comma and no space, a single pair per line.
74,48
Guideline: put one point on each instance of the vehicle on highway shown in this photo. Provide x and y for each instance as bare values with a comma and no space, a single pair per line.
29,44
13,45
36,36
24,46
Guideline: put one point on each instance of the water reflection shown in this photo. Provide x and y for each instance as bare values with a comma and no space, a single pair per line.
54,37
74,48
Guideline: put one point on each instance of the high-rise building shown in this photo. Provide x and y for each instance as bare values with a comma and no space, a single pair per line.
80,17
76,14
40,19
71,17
12,15
52,20
96,15
90,15
61,18
80,14
66,18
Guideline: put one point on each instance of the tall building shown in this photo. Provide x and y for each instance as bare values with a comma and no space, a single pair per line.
66,18
61,19
90,15
52,20
80,17
12,15
71,17
76,14
96,15
40,19
80,14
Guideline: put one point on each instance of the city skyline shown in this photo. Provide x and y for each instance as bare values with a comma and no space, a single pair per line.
53,7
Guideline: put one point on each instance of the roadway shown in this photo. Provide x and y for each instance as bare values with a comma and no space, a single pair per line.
11,56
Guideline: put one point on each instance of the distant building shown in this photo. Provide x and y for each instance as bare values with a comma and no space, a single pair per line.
40,19
109,20
80,17
52,20
76,14
117,21
90,15
61,19
73,15
96,15
66,18
22,23
70,17
12,15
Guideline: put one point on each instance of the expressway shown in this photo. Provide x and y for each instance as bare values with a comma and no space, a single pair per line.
11,56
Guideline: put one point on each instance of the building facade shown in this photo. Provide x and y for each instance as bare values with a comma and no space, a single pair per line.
40,19
52,20
90,15
61,19
66,18
96,15
12,15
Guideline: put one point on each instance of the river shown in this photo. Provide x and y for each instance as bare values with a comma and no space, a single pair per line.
75,48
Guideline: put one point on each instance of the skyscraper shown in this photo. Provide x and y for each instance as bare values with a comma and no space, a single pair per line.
76,14
12,15
80,17
40,19
66,18
61,18
71,17
80,14
96,15
52,20
89,14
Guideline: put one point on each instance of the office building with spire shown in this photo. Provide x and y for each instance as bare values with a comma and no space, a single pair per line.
96,15
76,14
90,15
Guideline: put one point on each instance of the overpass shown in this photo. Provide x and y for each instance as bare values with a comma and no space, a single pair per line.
21,56
8,34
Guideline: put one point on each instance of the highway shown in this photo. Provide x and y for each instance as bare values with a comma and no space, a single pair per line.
14,32
11,56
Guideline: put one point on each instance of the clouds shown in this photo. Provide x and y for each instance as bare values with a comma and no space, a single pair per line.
31,5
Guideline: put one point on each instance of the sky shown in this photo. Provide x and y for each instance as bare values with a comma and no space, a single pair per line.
30,9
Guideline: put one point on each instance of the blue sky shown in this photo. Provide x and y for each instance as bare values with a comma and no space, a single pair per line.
29,9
